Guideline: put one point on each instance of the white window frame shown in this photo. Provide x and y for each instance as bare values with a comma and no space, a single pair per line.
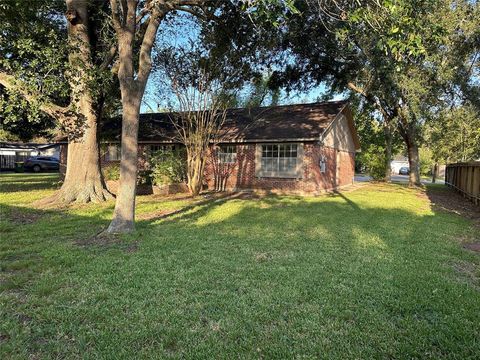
229,156
276,160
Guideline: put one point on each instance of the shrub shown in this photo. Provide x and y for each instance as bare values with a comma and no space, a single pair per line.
426,161
168,167
144,177
111,171
373,158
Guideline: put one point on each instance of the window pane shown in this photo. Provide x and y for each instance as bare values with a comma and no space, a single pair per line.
279,160
227,154
264,151
292,165
113,153
293,151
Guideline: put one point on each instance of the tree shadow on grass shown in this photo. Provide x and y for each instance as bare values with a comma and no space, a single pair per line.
284,275
446,199
391,267
19,182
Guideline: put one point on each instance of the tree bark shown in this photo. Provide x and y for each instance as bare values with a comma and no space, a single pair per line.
409,135
408,132
83,180
132,90
124,214
414,163
388,152
196,166
435,172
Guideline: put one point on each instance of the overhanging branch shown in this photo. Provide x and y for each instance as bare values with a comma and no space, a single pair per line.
59,113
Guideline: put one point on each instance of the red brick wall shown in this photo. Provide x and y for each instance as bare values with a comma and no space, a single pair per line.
346,170
241,175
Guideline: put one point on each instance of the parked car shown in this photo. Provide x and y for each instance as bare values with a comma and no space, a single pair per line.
41,163
404,171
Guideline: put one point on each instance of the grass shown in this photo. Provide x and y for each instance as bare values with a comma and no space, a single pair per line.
371,273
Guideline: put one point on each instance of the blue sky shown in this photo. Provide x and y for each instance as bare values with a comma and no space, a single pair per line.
178,34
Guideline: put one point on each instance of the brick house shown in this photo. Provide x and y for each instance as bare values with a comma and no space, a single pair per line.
305,148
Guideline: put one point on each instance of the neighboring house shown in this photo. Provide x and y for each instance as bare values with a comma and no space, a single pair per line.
398,162
306,148
12,152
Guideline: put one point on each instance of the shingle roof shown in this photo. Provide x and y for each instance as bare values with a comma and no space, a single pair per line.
25,146
275,123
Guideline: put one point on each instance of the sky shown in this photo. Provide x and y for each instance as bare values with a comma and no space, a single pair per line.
178,34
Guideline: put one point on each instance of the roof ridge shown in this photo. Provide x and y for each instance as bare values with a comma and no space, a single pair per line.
345,101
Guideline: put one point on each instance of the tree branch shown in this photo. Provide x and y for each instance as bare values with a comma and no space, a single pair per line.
59,113
191,11
145,63
115,16
109,57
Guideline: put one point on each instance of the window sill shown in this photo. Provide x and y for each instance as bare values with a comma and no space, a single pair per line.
279,177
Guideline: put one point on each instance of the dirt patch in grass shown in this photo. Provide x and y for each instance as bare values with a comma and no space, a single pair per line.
160,214
473,247
4,338
262,257
446,199
468,273
23,217
104,241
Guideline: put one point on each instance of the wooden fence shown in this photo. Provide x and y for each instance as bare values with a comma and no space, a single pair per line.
465,177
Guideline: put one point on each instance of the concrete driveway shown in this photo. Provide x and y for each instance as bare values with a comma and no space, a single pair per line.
396,178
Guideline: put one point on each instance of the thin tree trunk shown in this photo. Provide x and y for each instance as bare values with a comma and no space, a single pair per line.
196,175
435,172
408,132
132,90
414,163
124,214
388,152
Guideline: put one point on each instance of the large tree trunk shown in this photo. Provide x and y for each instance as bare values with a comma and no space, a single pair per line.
83,180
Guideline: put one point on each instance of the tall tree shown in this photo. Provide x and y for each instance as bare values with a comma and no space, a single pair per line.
135,22
33,66
386,52
454,134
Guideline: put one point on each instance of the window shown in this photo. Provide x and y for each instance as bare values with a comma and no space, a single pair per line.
227,154
113,153
323,164
279,160
154,148
23,155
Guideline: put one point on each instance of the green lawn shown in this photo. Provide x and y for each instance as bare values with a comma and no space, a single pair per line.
370,273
